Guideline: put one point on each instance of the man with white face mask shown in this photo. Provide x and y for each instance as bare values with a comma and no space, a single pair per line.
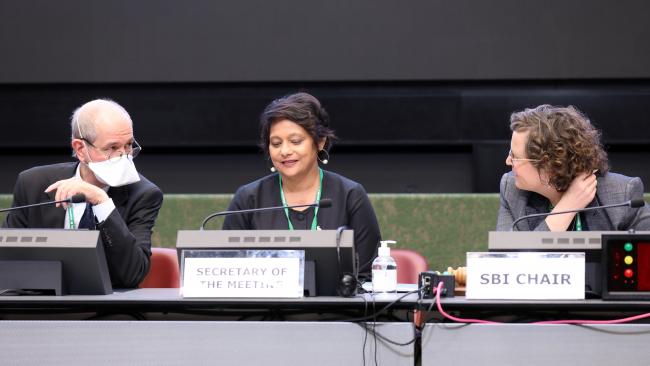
121,204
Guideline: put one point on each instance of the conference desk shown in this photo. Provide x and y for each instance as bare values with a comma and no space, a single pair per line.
162,328
520,342
160,301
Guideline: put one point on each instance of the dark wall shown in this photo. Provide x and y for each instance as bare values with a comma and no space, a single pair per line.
394,137
212,115
419,91
336,40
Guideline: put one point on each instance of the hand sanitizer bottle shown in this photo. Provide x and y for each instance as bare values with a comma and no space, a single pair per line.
384,270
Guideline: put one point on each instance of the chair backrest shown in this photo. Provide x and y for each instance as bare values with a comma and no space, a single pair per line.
164,271
409,265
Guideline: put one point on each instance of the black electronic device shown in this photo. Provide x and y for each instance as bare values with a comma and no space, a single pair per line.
626,266
429,280
53,261
332,257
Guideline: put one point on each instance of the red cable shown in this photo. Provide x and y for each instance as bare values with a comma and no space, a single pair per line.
573,321
449,316
613,321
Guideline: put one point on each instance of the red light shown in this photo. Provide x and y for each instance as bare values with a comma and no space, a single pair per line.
628,273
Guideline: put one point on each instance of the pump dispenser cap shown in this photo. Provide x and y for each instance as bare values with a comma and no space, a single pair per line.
384,249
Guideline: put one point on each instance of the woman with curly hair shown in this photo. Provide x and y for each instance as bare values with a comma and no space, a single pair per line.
558,164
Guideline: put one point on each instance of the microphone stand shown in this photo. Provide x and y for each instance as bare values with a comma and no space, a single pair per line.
632,203
77,198
323,203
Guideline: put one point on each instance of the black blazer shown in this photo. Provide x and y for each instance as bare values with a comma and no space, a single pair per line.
125,234
350,207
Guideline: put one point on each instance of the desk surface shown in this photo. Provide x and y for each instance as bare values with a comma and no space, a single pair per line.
170,301
281,343
256,338
160,300
461,303
233,339
172,296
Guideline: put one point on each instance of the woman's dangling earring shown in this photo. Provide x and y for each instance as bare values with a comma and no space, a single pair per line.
325,159
272,167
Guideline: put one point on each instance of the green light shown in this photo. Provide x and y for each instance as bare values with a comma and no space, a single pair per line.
628,247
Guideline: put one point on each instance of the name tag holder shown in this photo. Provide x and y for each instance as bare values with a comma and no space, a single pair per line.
242,273
526,275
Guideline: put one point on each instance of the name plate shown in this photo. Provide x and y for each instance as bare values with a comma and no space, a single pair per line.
242,273
525,276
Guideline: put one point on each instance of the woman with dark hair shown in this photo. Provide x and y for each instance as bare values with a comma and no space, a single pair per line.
558,164
295,136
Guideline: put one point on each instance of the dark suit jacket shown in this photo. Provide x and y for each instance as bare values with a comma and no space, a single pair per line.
126,233
350,207
612,188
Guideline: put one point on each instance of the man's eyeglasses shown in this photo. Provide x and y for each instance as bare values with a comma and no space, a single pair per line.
114,153
515,160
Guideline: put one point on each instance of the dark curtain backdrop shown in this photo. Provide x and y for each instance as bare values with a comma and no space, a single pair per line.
419,91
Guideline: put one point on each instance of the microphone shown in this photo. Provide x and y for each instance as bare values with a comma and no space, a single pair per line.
635,203
77,198
323,203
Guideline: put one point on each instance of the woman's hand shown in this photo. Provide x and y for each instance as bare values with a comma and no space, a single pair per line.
580,193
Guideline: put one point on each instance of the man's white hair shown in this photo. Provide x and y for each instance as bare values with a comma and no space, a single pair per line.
84,118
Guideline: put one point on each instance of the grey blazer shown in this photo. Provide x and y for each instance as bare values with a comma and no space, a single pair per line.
612,188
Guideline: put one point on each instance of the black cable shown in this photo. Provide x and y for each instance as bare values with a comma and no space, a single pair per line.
433,303
388,340
365,333
376,334
25,292
339,232
374,329
382,309
110,315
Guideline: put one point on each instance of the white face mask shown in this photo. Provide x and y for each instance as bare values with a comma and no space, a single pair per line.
115,173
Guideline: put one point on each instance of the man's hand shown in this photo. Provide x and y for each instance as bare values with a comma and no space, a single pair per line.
68,187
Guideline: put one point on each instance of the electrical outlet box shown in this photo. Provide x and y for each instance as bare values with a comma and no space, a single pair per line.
429,281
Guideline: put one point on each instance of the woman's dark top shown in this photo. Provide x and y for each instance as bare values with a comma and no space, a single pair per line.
350,207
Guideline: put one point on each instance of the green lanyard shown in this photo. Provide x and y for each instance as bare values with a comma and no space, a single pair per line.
314,223
71,216
577,226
